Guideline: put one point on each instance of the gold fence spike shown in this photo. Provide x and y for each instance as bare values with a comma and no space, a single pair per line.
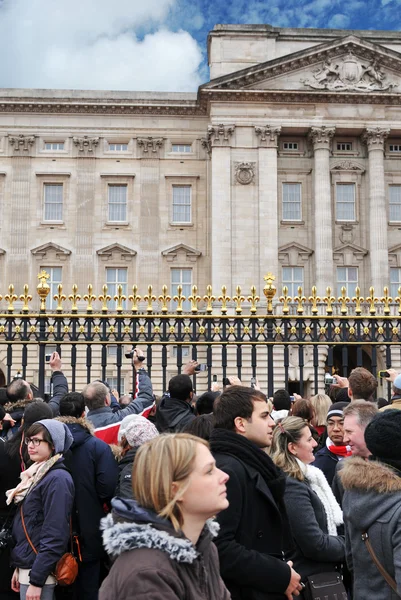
150,297
285,299
371,301
74,298
120,298
314,299
358,301
253,299
209,299
194,299
238,299
89,298
343,299
134,298
164,299
300,299
179,298
43,288
25,297
397,300
224,299
269,291
104,299
386,299
11,298
329,300
59,297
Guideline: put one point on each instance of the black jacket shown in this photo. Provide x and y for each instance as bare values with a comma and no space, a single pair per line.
124,487
95,472
250,541
326,461
173,414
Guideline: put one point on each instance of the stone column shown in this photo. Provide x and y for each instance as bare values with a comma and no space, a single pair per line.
268,200
221,226
374,138
323,224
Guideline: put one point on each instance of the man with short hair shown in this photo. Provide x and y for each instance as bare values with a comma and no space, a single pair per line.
254,530
175,410
396,397
334,450
281,405
362,385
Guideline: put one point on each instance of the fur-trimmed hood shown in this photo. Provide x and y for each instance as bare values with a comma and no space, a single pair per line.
130,527
82,421
372,484
80,429
20,405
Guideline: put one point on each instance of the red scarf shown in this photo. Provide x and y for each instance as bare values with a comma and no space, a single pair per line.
343,451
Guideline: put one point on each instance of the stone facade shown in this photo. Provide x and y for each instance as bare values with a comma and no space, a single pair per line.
289,158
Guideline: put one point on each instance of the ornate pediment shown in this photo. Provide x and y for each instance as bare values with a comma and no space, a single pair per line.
347,254
190,254
294,254
394,255
347,165
51,249
350,64
116,251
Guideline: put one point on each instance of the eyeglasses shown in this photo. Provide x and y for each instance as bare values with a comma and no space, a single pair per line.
35,441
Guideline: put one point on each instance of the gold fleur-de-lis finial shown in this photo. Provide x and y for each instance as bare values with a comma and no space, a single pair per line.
209,299
179,298
224,299
329,300
150,297
253,299
343,299
314,299
397,300
59,297
269,291
358,301
194,299
119,299
386,299
238,299
285,299
43,288
300,299
104,299
25,297
164,299
134,298
371,300
89,298
74,298
11,298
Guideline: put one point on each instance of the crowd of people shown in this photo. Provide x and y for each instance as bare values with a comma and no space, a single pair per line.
228,495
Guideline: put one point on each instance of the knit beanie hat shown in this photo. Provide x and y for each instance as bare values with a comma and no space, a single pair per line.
124,425
139,431
337,409
383,436
60,434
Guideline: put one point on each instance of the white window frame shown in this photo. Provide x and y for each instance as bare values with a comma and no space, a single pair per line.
122,204
113,283
346,281
176,279
112,351
395,281
53,282
394,204
112,381
186,352
394,148
181,148
117,146
47,204
285,203
290,146
341,202
54,146
344,146
177,205
291,281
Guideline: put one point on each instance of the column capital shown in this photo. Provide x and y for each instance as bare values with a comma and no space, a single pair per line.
149,145
21,143
321,137
85,145
219,135
374,137
268,135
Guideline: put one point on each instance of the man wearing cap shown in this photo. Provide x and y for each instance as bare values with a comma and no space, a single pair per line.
396,397
326,458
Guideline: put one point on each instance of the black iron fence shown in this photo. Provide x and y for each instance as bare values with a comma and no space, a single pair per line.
256,334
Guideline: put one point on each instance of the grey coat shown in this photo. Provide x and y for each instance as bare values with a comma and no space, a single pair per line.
372,504
316,551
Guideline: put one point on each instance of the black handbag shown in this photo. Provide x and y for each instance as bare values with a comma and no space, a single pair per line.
5,531
325,586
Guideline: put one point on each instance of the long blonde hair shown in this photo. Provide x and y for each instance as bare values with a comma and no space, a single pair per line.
321,404
159,463
288,430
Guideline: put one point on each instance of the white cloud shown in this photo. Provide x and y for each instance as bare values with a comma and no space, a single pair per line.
339,21
95,44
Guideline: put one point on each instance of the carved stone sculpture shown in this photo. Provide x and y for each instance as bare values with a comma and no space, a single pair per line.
245,172
21,142
85,144
150,143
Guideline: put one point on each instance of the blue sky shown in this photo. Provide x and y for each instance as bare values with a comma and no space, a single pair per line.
156,45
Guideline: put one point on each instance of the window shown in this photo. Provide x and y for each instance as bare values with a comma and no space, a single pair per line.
291,201
112,351
290,145
293,277
345,201
114,278
117,203
394,200
181,277
118,147
55,278
185,352
394,148
54,146
182,204
344,146
347,277
395,281
53,202
112,381
181,148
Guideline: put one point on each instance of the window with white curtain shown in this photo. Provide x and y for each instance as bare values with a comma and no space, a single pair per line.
395,281
345,201
347,277
292,202
55,278
54,146
181,148
118,147
181,277
394,201
112,381
114,278
53,202
117,202
293,277
182,209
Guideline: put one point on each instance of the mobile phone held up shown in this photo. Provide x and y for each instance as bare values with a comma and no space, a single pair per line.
383,374
201,367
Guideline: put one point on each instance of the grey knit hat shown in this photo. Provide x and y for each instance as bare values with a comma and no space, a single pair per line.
139,431
60,434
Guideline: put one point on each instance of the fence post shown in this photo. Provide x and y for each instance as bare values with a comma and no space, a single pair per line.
43,290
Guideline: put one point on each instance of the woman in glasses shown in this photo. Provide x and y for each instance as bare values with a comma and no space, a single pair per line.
44,500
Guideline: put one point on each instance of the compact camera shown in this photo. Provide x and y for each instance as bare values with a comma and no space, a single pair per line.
130,354
329,379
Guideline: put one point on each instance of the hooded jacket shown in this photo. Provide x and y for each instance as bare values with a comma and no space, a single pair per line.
173,414
95,473
372,504
154,561
124,487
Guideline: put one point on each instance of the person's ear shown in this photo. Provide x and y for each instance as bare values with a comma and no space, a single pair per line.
175,487
349,393
292,449
239,423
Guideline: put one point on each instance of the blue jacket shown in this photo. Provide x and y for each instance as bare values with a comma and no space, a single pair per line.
95,474
326,461
47,510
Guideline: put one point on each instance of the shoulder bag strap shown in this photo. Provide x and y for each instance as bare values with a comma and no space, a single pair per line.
26,533
382,570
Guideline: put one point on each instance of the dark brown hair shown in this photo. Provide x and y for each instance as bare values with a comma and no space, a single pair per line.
362,383
235,401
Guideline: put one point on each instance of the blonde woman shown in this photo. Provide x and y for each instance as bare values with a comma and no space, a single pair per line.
162,541
313,512
321,404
